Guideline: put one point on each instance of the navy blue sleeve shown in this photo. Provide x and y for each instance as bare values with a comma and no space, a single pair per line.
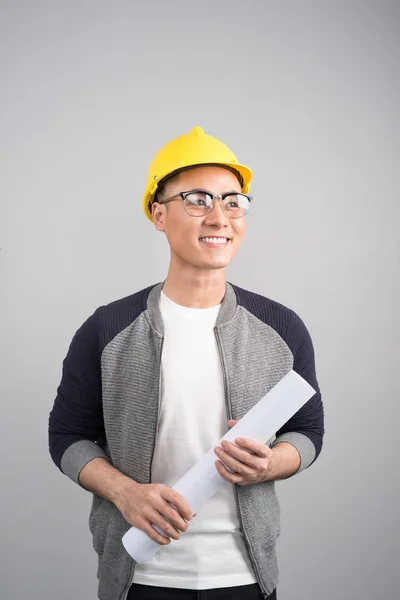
77,412
309,420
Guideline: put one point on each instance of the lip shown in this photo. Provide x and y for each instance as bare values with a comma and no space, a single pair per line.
215,245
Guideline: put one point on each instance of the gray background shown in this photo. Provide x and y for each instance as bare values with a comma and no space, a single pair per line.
307,94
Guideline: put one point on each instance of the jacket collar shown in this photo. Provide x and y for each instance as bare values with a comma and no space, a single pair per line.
226,312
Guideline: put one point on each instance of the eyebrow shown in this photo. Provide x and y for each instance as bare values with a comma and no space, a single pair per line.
212,193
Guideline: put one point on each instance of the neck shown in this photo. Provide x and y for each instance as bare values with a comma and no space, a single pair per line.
196,290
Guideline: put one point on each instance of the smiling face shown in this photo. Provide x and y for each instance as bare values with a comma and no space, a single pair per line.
189,237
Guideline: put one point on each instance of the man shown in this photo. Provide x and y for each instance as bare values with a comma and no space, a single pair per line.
151,381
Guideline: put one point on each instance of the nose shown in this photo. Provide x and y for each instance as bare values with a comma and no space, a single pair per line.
217,217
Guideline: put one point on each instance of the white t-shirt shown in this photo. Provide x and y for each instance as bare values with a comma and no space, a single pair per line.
212,552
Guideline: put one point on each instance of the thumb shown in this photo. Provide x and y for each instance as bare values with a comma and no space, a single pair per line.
231,422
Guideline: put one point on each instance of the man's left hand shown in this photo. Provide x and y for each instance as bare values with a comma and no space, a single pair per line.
250,467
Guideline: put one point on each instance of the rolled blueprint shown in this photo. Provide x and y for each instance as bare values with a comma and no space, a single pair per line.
202,480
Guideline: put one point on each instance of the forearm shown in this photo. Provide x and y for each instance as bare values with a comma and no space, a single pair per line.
285,461
101,478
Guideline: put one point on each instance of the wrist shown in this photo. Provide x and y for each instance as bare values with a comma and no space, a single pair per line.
272,467
124,487
284,462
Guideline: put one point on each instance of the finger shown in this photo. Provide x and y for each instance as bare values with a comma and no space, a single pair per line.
178,518
167,527
231,477
253,447
178,502
235,464
157,514
155,535
174,517
240,454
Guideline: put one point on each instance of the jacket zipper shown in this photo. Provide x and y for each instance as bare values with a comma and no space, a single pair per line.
126,591
264,594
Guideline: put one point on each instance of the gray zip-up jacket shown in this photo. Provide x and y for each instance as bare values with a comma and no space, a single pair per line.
107,406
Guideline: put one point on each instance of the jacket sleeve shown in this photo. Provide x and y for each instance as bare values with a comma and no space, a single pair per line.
305,430
76,419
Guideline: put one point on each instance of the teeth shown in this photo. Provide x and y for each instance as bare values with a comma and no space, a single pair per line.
214,240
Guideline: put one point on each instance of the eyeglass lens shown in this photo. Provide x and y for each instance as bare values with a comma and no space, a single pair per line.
200,203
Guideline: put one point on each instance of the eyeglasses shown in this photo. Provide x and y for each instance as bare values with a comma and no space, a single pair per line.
198,203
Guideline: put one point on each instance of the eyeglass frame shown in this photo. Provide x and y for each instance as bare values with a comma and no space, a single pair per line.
222,197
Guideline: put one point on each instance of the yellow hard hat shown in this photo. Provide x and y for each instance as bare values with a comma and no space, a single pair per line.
193,148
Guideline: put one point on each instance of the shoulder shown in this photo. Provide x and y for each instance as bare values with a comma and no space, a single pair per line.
283,319
128,307
110,319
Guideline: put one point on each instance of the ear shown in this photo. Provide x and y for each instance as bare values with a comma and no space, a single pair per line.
158,213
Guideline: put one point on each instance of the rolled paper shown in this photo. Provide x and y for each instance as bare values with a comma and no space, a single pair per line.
202,480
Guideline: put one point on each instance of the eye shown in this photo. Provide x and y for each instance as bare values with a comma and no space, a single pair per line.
198,199
236,203
231,201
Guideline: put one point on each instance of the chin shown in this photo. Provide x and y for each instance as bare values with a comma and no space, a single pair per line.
218,264
201,262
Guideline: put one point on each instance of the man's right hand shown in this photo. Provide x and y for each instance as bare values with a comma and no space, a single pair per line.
145,503
140,503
